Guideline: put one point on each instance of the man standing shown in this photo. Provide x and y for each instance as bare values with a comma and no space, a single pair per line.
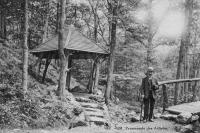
148,93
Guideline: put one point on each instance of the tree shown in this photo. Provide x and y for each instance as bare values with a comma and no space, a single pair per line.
61,50
183,62
113,6
150,34
3,15
94,76
25,49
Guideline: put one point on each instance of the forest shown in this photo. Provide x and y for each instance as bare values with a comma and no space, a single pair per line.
55,52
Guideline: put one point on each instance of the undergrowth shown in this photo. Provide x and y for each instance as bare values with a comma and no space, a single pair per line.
39,107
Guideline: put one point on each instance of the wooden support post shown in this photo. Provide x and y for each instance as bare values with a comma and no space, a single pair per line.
39,63
165,98
90,86
69,74
194,91
96,78
48,61
39,67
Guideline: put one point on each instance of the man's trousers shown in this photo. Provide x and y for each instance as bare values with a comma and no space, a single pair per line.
148,107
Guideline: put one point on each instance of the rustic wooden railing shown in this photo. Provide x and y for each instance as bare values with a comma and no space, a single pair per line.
165,87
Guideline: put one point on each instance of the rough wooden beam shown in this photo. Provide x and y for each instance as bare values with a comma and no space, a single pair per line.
165,97
178,81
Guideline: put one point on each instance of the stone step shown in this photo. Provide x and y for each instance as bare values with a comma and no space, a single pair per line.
98,113
92,109
98,121
82,99
92,105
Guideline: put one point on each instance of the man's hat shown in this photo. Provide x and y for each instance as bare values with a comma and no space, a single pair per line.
150,69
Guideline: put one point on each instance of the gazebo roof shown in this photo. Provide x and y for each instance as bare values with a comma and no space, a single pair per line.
74,40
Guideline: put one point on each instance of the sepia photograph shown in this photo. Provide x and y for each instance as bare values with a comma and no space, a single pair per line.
99,66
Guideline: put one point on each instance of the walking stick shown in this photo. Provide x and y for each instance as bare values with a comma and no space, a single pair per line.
141,109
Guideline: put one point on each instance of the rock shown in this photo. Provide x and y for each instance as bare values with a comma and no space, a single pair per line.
78,89
196,126
78,124
178,128
82,99
97,98
79,121
98,92
77,111
160,110
132,113
132,117
187,129
157,115
168,117
184,118
135,118
194,118
97,121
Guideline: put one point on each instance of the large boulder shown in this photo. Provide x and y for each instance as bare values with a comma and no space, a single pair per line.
78,121
186,118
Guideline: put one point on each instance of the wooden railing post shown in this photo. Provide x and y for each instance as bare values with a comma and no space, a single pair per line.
165,98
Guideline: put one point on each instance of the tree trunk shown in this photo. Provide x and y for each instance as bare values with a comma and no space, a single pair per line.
61,51
96,78
109,86
186,75
186,39
194,88
185,43
25,49
178,73
46,23
3,13
94,75
57,16
150,35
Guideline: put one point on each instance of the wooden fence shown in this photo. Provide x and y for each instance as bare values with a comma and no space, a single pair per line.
165,88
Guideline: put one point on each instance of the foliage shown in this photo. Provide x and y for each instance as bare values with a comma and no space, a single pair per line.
34,110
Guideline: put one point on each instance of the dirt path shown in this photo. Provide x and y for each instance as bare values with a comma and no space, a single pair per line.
158,126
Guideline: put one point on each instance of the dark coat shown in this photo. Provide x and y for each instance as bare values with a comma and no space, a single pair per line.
147,85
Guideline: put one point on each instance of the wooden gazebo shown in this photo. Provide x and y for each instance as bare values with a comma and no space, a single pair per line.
77,46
